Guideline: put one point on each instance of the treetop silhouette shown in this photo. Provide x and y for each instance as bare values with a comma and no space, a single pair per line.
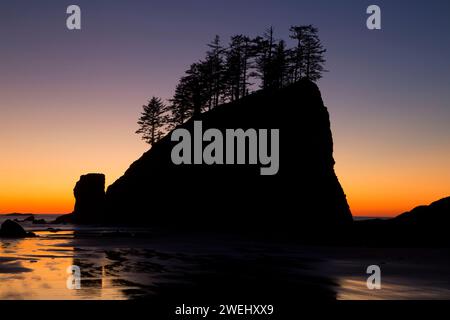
153,120
230,73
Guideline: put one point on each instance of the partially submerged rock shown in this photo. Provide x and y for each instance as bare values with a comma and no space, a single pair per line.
64,219
39,221
29,219
11,229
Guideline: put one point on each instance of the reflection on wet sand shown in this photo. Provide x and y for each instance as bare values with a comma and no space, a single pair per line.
115,267
125,268
356,289
36,268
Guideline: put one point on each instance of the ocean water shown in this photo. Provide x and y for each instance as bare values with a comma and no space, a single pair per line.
368,218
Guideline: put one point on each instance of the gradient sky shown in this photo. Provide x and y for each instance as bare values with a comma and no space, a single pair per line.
69,100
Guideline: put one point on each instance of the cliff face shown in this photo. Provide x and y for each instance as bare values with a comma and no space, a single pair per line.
304,193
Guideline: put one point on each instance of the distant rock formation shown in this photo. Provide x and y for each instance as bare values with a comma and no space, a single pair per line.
422,226
30,218
39,221
11,229
305,196
64,219
18,214
435,215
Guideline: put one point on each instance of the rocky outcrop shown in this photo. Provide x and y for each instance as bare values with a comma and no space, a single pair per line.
89,195
304,196
39,221
11,229
434,215
422,226
64,219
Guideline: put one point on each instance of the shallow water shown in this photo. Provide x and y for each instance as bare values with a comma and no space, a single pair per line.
37,269
126,266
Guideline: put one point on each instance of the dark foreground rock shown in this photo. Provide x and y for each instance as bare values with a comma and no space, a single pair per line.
11,229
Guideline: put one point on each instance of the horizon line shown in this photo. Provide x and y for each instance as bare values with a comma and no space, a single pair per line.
55,214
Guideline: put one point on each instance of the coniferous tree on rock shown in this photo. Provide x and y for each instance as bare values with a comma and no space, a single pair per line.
152,121
308,56
228,73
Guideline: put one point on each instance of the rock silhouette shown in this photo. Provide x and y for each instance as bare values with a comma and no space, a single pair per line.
305,196
89,195
39,221
437,213
11,229
422,226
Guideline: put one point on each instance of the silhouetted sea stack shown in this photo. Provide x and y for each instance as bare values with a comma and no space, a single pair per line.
89,195
304,196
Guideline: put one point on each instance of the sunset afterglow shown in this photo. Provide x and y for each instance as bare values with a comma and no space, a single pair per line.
69,101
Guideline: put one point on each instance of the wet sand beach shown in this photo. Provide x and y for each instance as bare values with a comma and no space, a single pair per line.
141,263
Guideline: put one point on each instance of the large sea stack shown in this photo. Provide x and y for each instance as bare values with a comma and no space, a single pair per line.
305,195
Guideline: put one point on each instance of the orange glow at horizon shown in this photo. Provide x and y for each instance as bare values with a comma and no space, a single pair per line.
393,182
40,177
30,187
38,172
43,186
